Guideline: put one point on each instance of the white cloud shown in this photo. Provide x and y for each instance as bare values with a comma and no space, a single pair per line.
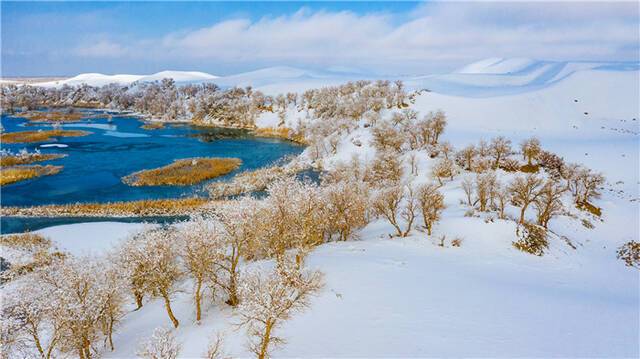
435,35
103,48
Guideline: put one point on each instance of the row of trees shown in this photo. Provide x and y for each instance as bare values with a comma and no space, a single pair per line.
208,104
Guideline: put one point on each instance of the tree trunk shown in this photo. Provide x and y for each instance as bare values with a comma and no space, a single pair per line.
110,329
522,211
265,340
167,304
138,296
198,298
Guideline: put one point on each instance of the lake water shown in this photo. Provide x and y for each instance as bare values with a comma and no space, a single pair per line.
95,164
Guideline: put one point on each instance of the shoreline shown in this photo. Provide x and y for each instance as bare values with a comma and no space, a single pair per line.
140,208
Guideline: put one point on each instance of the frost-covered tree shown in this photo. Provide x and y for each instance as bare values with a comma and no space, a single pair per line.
525,190
530,149
431,204
201,249
272,297
237,219
348,204
444,168
548,203
386,203
151,260
499,149
161,345
466,157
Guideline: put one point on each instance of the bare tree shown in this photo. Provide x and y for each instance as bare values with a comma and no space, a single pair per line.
410,209
431,204
530,149
386,203
237,221
502,195
348,203
269,298
444,168
525,190
468,187
161,345
548,203
152,254
202,248
499,148
467,156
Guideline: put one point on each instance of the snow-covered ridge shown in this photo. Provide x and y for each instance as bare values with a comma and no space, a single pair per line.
97,79
485,78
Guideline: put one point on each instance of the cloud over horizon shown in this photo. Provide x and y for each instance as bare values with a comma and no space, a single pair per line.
432,37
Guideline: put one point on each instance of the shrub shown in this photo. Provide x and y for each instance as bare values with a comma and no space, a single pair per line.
161,345
533,239
630,254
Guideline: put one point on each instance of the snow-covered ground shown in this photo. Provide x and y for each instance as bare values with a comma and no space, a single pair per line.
410,297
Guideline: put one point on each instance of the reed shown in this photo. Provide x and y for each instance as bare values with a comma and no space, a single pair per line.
183,172
15,174
280,132
13,160
51,116
142,208
38,136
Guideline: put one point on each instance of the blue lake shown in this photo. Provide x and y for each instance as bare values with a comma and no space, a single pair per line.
95,164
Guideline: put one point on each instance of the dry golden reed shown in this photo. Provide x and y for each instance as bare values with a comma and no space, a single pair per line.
15,174
184,172
38,136
142,208
12,160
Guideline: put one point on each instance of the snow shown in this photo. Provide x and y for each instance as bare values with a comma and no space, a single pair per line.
410,297
90,238
179,76
56,145
97,79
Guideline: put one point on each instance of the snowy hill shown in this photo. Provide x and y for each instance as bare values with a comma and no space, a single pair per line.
410,297
496,77
96,79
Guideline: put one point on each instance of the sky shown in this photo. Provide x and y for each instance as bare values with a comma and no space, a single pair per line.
391,38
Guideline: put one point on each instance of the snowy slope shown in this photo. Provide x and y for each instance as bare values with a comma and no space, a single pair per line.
498,77
96,79
411,298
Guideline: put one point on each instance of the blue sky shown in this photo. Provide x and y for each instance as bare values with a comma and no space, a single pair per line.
66,38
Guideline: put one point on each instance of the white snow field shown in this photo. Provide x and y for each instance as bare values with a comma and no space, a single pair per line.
409,297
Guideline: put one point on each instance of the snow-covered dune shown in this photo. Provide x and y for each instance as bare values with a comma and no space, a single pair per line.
96,79
497,77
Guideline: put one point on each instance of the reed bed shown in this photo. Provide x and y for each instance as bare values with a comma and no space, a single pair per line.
51,116
280,132
39,136
143,208
152,126
28,241
13,160
16,174
183,172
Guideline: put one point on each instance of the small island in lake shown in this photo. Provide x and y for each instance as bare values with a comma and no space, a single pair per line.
184,172
39,136
20,173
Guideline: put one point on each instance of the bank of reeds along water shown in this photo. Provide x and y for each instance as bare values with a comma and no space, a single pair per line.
20,173
142,208
38,136
184,172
